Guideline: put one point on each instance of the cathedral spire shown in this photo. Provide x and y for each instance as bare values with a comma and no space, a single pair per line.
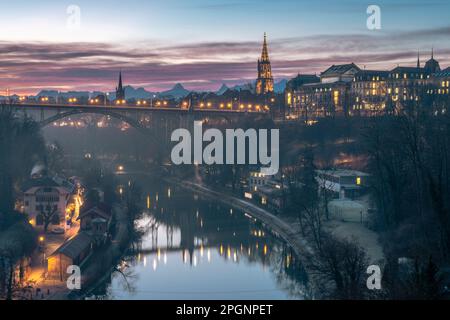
264,83
265,51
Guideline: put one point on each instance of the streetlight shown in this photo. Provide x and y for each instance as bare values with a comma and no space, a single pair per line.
151,100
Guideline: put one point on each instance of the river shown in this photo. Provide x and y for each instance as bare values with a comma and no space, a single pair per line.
192,248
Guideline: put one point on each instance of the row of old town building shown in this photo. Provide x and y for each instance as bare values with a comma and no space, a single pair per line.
349,90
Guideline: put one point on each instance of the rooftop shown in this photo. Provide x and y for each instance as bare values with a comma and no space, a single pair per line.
100,209
75,246
443,73
344,173
373,73
339,69
407,69
47,181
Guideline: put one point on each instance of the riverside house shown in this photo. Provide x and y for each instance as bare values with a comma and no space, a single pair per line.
46,194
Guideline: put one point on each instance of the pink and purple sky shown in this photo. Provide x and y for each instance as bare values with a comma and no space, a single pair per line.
204,43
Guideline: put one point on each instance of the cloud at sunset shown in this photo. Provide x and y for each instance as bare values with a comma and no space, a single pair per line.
27,67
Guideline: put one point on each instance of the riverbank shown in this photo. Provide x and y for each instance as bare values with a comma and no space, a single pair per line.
105,259
99,262
289,228
278,226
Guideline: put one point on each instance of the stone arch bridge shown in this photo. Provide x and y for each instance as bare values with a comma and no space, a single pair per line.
149,121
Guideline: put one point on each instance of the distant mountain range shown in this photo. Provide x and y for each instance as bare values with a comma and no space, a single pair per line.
278,87
177,92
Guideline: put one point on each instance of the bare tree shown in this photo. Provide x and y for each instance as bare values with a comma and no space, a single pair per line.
48,214
338,268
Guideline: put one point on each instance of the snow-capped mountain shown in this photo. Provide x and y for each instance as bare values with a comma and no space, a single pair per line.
177,92
68,94
222,90
280,86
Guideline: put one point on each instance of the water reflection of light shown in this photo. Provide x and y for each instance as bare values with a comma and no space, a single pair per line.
168,193
201,250
145,261
196,214
148,202
201,223
155,264
288,260
229,253
159,254
157,197
221,250
165,258
265,249
234,256
231,211
195,261
185,256
209,255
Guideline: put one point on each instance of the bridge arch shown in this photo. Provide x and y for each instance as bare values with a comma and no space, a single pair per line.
132,122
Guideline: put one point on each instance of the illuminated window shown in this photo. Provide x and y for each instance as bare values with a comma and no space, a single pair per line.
336,97
358,181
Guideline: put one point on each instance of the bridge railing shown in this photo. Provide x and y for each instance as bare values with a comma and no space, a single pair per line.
249,108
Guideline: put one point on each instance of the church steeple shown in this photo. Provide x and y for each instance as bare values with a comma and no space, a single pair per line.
418,59
120,92
120,80
265,51
264,83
